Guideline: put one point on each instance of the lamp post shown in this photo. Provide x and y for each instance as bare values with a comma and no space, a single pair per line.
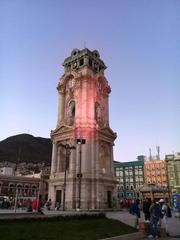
80,141
68,152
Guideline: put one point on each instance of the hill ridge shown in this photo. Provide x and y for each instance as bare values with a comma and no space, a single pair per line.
25,148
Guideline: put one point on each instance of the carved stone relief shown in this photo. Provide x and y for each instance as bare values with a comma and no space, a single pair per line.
71,113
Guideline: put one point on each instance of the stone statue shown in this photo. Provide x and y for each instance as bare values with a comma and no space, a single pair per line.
71,113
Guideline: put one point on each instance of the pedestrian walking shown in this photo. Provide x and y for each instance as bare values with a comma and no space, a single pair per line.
135,210
166,212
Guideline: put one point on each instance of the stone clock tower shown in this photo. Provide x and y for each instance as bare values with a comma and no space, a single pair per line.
82,172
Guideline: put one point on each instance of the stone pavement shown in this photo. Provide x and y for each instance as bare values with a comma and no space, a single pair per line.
124,216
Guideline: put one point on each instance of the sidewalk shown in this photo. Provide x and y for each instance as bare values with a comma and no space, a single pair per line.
124,216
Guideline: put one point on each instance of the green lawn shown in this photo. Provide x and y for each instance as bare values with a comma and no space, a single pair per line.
57,229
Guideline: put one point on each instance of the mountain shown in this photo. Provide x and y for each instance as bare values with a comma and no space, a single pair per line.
26,148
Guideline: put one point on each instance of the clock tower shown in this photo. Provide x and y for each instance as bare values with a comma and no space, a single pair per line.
82,172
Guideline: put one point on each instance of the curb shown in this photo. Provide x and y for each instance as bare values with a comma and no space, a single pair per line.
129,236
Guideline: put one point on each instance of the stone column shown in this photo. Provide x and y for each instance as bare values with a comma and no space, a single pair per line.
72,161
61,108
93,170
97,192
112,157
58,160
54,158
107,111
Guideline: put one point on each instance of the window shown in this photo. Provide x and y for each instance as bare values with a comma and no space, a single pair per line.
172,183
170,168
90,62
171,175
81,62
121,173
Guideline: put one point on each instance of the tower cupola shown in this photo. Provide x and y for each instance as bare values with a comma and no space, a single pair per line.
85,57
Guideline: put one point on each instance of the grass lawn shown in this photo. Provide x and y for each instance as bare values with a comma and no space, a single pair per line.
57,229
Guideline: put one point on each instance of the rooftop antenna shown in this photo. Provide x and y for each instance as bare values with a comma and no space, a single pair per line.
158,152
150,156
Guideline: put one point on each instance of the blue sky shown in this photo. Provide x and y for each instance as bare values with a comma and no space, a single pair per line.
138,40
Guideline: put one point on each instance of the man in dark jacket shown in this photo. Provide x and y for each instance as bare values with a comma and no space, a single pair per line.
135,210
146,206
155,217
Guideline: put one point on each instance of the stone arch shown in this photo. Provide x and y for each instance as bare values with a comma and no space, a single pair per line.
66,77
34,189
19,188
11,188
26,189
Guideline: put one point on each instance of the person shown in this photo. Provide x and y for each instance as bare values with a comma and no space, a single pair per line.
39,206
57,206
29,205
155,211
135,210
48,204
164,211
146,207
34,205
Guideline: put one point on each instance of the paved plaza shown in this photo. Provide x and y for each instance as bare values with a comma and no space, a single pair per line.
123,216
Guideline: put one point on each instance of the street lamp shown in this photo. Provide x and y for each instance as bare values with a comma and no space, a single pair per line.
68,152
80,141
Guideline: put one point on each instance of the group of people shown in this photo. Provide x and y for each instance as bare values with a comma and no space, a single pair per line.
155,213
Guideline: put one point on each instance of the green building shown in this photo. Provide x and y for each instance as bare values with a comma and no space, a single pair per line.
130,177
173,172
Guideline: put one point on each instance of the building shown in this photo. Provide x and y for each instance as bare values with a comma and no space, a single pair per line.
23,187
6,170
82,173
155,172
154,193
173,172
130,177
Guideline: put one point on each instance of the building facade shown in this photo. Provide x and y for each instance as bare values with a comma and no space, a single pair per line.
23,187
130,177
82,173
155,172
173,172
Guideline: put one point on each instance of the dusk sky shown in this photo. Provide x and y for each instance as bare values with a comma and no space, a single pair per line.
138,40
